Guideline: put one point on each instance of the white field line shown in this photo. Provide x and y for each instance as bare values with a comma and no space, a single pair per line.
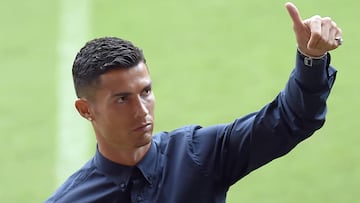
73,131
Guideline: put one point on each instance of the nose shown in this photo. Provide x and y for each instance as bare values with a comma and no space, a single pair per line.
140,107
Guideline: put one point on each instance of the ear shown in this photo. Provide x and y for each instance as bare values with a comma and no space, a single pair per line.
82,106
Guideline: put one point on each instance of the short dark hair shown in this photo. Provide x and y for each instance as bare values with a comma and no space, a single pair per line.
99,56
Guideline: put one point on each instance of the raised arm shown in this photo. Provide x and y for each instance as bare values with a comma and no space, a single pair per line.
296,113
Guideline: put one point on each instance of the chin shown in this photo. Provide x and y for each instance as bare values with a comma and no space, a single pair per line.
146,140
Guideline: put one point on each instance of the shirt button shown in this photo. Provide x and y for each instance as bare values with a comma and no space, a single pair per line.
122,185
139,198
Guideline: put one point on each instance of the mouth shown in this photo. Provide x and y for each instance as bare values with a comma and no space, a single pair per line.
144,127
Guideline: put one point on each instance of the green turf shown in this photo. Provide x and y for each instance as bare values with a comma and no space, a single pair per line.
211,61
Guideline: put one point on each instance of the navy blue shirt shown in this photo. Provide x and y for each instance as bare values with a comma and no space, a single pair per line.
199,164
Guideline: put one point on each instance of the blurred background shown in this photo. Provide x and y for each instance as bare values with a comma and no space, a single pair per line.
211,61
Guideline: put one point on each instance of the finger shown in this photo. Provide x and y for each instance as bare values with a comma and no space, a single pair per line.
334,35
315,29
332,38
294,14
338,35
326,26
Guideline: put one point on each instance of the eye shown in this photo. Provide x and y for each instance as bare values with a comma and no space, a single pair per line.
121,99
147,91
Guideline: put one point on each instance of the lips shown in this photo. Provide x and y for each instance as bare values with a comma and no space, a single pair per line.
144,127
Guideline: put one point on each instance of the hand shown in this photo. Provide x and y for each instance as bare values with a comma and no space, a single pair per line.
315,36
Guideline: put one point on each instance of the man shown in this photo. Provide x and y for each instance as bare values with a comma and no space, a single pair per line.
192,163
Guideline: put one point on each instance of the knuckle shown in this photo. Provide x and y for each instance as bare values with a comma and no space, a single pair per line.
316,17
327,19
316,35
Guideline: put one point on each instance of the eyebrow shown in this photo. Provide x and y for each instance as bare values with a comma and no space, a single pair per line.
148,86
125,94
121,94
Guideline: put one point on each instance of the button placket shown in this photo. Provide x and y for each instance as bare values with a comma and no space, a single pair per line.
122,186
139,198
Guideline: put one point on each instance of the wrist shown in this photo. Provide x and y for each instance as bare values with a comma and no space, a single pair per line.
320,56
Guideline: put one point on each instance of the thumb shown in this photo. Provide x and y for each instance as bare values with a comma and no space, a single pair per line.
294,14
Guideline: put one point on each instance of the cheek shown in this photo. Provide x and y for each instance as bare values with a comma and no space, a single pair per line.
111,117
115,125
151,104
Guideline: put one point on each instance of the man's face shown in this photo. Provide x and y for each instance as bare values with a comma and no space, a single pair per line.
123,108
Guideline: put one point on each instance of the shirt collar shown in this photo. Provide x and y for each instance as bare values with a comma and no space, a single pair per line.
118,173
150,163
121,174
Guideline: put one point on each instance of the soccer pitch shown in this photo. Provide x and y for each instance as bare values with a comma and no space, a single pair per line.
211,61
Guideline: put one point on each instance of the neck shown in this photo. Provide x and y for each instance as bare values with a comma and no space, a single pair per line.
128,157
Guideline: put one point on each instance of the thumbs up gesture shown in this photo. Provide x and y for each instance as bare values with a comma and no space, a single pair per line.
316,35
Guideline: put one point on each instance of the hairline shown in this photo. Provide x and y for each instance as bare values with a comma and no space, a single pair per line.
90,89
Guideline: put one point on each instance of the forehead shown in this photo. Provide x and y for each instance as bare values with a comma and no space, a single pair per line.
125,78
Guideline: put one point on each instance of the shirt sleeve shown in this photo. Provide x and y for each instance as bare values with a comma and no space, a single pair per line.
229,152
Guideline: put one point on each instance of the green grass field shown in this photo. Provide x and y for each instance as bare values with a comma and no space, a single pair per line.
211,61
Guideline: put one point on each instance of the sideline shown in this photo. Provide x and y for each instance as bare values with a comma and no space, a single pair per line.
73,132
